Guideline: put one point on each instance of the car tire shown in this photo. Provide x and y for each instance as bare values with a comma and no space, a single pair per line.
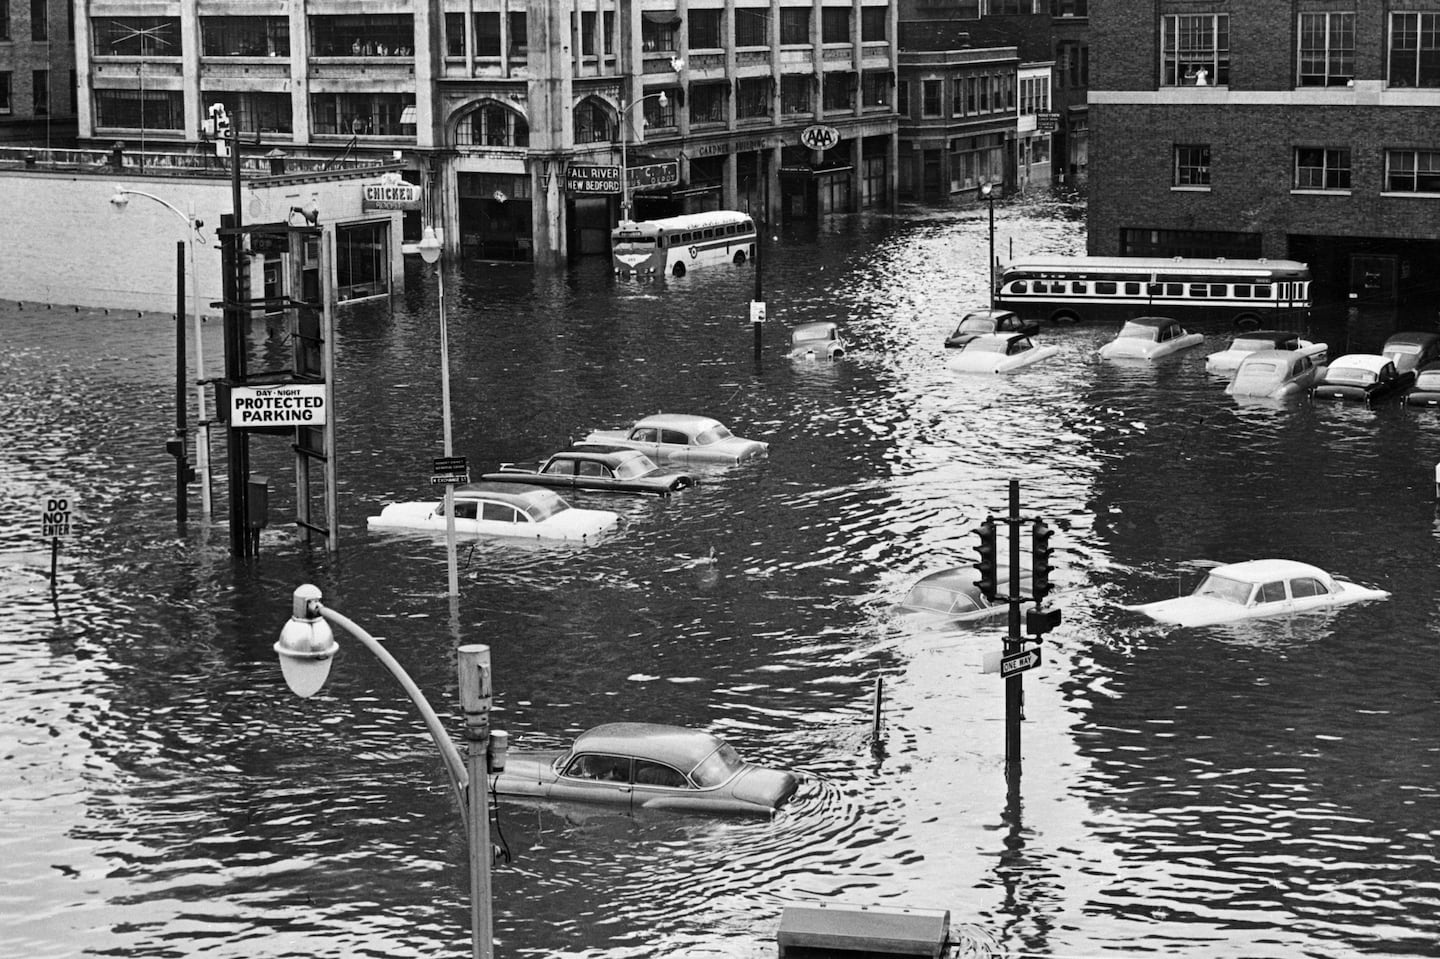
679,269
1065,316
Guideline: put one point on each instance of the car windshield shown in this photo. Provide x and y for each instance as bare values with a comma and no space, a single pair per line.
1225,589
1354,375
987,345
718,767
938,599
1402,349
1138,330
714,434
976,324
543,507
633,467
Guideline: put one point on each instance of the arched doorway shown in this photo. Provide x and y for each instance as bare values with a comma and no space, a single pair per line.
492,188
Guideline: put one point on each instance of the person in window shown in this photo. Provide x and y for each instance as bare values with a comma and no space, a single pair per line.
1202,77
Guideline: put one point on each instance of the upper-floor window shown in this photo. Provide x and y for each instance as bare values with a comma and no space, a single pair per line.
835,25
4,19
839,91
493,125
1192,164
657,31
797,94
752,98
5,95
1034,94
137,36
363,35
873,24
794,25
660,111
875,88
1195,50
593,122
930,96
1412,171
708,102
245,36
40,92
1318,168
1414,50
1327,49
705,30
752,26
1069,8
1072,65
39,20
1000,7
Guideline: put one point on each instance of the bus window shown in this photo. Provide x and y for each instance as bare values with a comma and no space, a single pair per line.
1106,287
1078,287
1155,289
1242,291
1132,289
1264,293
1019,286
1199,290
1175,289
709,234
1219,289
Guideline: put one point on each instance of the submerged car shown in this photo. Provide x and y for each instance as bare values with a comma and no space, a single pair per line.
1412,350
1149,338
976,322
1363,377
999,353
682,438
816,341
952,595
501,509
1228,360
1255,589
1427,387
1276,374
607,470
647,766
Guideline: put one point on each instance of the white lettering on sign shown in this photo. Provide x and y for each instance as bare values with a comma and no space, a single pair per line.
55,520
819,137
300,404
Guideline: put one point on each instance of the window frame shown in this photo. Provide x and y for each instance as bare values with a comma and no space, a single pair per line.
1213,56
1431,173
1333,169
1191,166
1427,23
1332,60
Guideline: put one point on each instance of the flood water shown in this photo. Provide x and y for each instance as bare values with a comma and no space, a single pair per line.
1260,790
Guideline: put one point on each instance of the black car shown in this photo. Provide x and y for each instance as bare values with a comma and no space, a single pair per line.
1363,377
1427,387
609,469
977,322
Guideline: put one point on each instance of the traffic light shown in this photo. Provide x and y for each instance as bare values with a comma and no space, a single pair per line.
1040,553
988,582
1039,621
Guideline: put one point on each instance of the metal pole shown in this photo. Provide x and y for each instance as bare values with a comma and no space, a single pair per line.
624,169
1014,686
450,554
182,464
990,195
759,258
202,420
475,700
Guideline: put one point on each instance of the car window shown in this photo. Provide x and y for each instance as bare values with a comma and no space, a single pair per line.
718,767
591,468
1271,592
462,510
645,435
1224,588
560,467
976,324
498,512
632,467
1018,346
674,436
613,769
714,434
649,773
1307,586
1140,330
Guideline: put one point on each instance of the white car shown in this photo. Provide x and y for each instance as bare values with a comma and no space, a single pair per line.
816,341
1256,589
999,353
682,438
1149,338
502,509
1228,360
1276,374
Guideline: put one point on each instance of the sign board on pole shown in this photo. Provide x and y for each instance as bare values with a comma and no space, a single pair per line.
56,518
1047,122
449,469
757,311
287,404
591,178
1016,663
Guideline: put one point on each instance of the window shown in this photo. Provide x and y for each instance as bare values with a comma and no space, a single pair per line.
1034,95
363,35
594,123
245,37
705,29
40,92
603,768
1307,586
794,25
1192,165
123,109
500,513
1196,50
796,95
254,112
1317,168
1009,7
519,35
839,91
137,36
487,34
659,114
1072,65
358,114
493,125
835,25
1414,50
875,88
39,20
1327,49
1412,171
873,23
930,94
656,34
902,98
957,97
1270,593
708,103
4,19
752,98
362,262
5,93
752,27
1069,8
649,773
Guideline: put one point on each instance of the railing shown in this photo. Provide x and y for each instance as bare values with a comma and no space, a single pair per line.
177,164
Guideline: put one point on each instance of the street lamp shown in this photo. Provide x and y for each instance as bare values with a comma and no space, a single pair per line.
430,247
120,199
988,192
306,647
624,167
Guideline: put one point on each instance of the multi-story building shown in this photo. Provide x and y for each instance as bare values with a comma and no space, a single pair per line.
37,72
512,113
1307,129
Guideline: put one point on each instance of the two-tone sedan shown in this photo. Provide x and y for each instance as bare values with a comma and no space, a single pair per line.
605,469
1277,374
682,438
647,766
1256,589
501,510
1228,360
1149,338
1361,377
1427,387
953,596
977,322
999,353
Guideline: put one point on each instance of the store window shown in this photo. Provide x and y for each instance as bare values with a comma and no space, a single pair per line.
245,36
362,259
1327,49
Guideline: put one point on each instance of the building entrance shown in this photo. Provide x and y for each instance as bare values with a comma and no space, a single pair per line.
495,216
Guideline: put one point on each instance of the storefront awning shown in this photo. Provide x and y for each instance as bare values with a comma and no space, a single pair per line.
661,16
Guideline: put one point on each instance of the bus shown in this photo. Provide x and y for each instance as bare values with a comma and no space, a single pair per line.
678,244
1067,289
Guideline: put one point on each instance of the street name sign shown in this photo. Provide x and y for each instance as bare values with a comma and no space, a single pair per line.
449,469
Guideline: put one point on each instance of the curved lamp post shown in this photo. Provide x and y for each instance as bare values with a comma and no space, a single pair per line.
120,199
624,163
988,192
306,648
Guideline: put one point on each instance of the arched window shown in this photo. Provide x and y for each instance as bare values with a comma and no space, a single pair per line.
594,122
493,125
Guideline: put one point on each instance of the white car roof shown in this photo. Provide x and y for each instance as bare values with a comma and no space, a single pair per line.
1363,361
1269,570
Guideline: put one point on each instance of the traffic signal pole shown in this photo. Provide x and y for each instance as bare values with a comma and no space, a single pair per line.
1014,685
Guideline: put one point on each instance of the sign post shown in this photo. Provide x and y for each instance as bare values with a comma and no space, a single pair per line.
56,520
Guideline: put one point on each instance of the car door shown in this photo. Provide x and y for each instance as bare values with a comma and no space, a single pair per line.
659,784
496,519
595,777
560,471
1307,593
1272,599
646,439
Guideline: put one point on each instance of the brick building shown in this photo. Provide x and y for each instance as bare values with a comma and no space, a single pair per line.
1307,129
37,72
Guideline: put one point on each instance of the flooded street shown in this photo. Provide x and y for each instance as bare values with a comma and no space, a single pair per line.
1265,790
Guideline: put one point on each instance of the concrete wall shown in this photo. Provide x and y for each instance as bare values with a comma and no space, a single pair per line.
63,242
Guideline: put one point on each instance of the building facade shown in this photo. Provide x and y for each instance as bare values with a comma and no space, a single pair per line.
37,72
513,114
1307,129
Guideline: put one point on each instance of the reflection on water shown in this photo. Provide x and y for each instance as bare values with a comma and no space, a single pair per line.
1266,790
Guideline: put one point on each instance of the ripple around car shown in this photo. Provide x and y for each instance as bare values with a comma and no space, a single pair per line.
501,510
1149,338
614,469
1255,589
999,353
647,766
1363,377
682,438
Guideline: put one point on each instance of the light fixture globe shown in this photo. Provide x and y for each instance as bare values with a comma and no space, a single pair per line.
429,246
986,189
118,199
306,646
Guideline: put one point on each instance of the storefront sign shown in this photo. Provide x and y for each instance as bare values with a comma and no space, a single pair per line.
1047,122
390,196
289,404
819,137
589,178
654,176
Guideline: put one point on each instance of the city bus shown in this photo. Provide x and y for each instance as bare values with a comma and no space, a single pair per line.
1067,289
678,244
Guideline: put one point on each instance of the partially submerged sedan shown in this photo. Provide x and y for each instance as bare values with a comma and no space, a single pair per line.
1411,350
604,469
976,322
1362,377
999,353
1228,360
1427,387
816,341
682,438
503,510
1149,338
1258,588
647,766
1277,374
952,596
